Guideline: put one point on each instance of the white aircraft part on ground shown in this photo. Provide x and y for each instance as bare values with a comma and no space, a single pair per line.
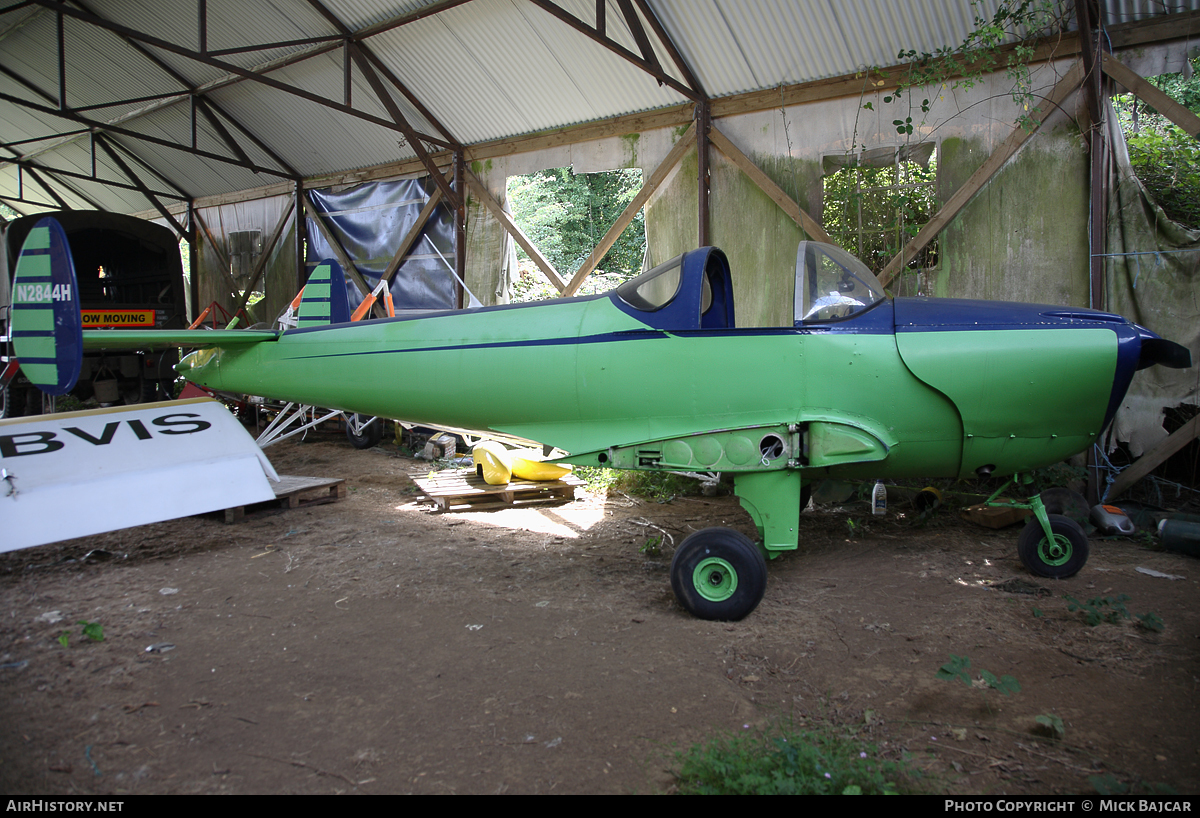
79,473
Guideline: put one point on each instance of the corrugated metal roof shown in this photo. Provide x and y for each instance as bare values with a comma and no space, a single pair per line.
484,69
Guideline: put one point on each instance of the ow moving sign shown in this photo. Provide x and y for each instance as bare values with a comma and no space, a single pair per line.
94,319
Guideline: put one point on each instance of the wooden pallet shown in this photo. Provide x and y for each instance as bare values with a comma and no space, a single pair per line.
294,492
464,489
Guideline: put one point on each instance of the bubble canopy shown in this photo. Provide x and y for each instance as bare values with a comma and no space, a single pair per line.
831,284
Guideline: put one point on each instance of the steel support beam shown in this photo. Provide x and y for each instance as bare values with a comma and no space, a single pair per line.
414,138
651,68
703,124
245,73
166,143
141,186
460,227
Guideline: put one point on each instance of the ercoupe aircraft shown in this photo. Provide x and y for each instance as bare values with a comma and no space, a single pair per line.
657,375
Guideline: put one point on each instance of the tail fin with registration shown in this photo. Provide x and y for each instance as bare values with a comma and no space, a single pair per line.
46,327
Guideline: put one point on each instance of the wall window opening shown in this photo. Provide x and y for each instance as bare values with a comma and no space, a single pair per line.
877,200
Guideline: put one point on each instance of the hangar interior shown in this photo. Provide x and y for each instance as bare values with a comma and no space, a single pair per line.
392,128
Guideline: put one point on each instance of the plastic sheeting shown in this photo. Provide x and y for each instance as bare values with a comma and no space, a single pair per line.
1152,275
369,221
278,280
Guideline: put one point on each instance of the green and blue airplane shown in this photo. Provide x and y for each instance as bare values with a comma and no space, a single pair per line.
657,375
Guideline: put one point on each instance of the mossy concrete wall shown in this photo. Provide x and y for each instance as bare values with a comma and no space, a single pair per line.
757,237
1023,237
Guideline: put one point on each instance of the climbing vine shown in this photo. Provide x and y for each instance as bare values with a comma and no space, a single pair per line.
1003,42
874,216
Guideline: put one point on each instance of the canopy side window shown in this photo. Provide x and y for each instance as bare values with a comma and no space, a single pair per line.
655,288
831,284
691,292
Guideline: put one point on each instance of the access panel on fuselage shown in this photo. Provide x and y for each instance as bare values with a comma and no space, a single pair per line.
1028,397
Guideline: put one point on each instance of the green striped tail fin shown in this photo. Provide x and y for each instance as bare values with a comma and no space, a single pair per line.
46,327
325,300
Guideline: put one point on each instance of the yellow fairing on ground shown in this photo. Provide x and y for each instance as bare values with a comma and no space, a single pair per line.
493,462
527,465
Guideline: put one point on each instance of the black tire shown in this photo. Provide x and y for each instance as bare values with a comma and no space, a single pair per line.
718,573
1064,558
370,436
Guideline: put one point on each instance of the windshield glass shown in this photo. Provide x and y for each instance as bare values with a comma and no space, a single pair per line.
653,289
831,284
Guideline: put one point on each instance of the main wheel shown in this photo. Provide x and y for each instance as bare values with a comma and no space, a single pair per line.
718,573
363,437
1059,559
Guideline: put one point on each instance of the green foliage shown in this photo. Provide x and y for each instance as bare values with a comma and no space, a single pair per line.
881,214
783,760
596,479
1053,725
1005,684
872,212
1048,477
980,53
532,285
660,486
566,214
1165,158
1167,161
1111,609
652,547
1108,784
959,668
956,668
91,630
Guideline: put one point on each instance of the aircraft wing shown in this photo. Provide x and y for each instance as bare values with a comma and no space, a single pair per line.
75,474
162,338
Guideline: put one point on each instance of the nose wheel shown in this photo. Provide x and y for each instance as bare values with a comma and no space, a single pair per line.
1050,545
1057,556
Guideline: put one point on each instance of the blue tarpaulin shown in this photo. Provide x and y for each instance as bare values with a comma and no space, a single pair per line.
369,221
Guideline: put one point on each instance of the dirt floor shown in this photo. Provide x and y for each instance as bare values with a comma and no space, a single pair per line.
375,646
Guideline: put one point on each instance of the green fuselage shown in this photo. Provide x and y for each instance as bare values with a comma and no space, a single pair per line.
591,379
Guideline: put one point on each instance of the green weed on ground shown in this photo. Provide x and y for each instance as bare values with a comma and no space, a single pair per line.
786,760
651,485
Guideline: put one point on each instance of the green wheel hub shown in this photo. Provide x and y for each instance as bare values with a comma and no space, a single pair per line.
715,579
1056,552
